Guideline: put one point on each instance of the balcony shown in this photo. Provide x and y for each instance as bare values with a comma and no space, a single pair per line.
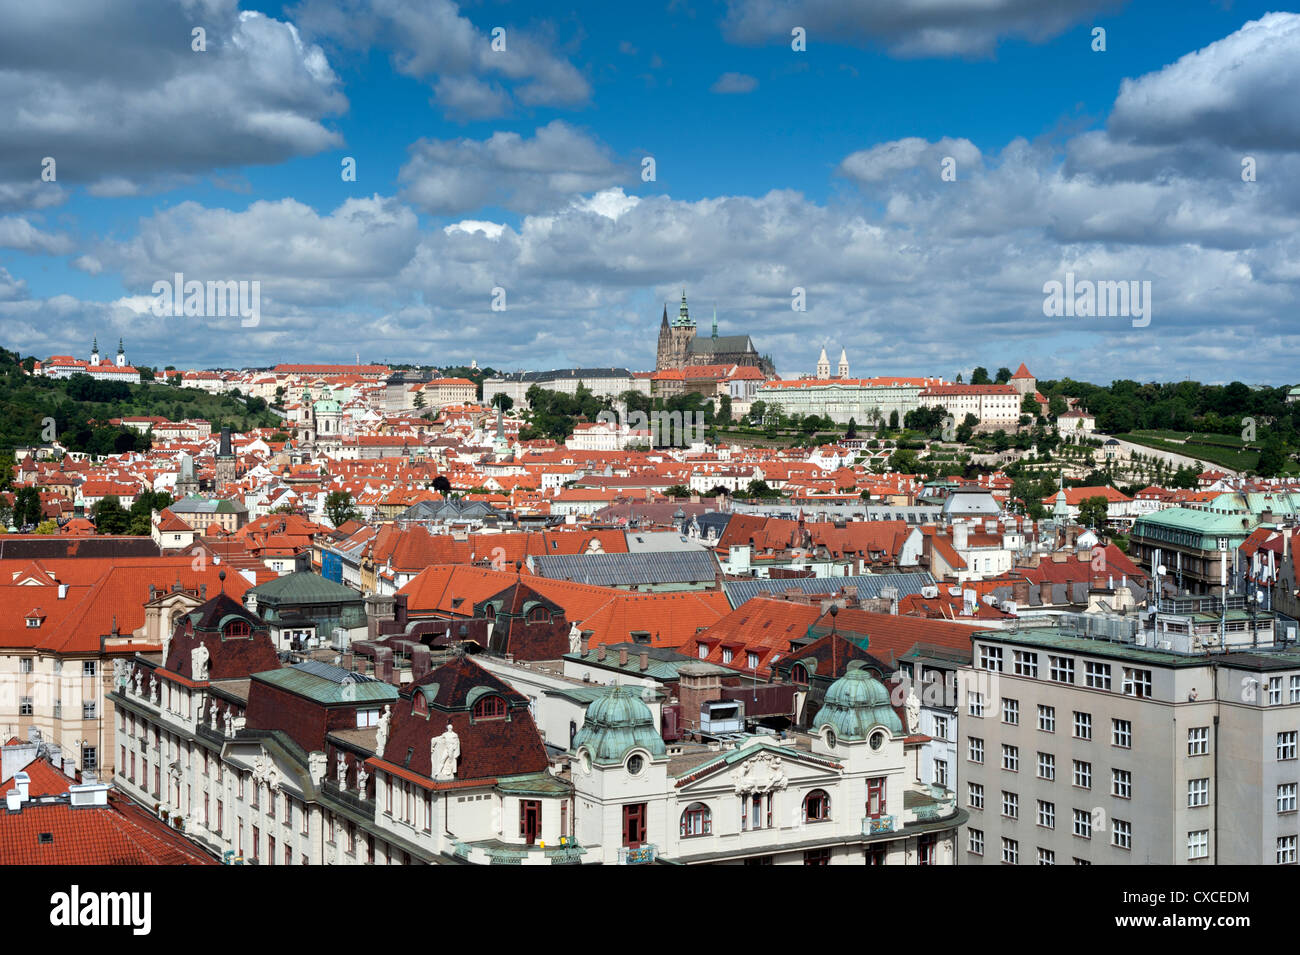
880,825
639,856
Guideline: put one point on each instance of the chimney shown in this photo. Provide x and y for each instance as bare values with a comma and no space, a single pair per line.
645,660
622,656
22,783
600,653
960,534
420,662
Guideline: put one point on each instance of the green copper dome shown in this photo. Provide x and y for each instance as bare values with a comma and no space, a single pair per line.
855,703
616,724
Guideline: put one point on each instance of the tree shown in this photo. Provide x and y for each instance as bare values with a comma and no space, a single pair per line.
442,485
966,429
1003,376
419,398
502,401
757,409
27,507
677,490
724,409
893,419
1028,404
852,431
1092,512
980,376
757,488
340,508
46,528
718,490
110,516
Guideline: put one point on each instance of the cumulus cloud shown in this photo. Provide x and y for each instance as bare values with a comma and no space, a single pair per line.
908,27
117,97
559,162
431,40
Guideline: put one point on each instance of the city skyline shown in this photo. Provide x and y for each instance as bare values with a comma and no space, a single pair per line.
522,169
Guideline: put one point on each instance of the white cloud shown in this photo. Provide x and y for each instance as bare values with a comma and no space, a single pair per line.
734,83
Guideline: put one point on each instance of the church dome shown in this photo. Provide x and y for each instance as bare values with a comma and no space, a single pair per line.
855,704
617,723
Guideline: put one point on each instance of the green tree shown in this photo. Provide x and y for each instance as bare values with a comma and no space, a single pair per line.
110,516
1003,376
1092,512
760,489
503,401
677,490
46,528
980,376
340,508
27,506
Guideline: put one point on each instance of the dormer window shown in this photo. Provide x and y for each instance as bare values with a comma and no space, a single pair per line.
539,615
490,708
237,628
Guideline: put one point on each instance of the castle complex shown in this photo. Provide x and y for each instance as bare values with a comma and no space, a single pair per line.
679,346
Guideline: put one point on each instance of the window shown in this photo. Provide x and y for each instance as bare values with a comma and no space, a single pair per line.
799,675
941,773
1198,741
817,806
755,812
1027,664
697,820
1011,758
25,665
1083,823
1286,797
88,668
876,797
1062,669
237,628
975,845
991,658
1286,745
1274,691
751,660
25,706
975,795
1295,689
875,855
1010,851
1121,734
1010,805
1047,718
1082,776
703,653
1047,814
1082,725
975,750
530,820
940,727
1198,792
1096,676
726,656
1011,712
370,717
88,710
490,707
1198,844
817,857
1046,857
926,847
1121,783
1137,683
1286,850
1047,765
975,704
1121,834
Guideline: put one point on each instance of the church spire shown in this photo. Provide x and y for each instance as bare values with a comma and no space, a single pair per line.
664,323
715,321
684,313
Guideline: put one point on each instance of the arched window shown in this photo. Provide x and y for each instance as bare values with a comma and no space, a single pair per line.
697,820
237,628
816,806
490,708
799,675
539,615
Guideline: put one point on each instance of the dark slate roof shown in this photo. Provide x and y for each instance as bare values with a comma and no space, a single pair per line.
722,345
869,585
447,510
628,570
559,374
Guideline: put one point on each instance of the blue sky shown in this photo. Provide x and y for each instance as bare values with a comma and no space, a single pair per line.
820,173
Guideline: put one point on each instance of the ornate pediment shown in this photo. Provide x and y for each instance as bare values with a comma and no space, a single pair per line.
763,773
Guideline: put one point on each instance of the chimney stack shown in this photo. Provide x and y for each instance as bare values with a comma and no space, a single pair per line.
622,656
600,653
645,660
